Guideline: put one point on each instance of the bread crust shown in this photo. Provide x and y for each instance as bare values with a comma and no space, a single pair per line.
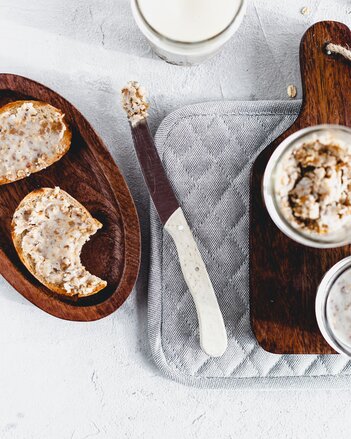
65,142
17,241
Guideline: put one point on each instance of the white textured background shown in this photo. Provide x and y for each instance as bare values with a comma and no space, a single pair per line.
71,380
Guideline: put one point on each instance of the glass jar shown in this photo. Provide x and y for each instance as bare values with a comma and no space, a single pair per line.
186,53
273,173
333,306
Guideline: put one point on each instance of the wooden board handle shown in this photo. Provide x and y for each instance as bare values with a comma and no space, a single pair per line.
325,78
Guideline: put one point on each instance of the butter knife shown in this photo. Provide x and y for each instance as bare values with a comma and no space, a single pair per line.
213,336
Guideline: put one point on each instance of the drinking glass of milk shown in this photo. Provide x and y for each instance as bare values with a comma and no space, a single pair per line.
186,32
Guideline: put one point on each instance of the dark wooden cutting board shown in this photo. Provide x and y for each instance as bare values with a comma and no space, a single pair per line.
89,174
284,275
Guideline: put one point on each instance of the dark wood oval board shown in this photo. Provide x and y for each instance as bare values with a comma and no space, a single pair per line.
284,275
89,174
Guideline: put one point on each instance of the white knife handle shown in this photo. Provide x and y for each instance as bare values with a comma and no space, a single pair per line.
213,336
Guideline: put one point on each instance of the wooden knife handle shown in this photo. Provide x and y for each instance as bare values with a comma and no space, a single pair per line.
213,336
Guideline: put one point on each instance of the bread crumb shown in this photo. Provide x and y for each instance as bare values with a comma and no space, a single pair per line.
305,10
292,91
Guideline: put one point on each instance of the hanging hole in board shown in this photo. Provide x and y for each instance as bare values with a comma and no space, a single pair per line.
325,48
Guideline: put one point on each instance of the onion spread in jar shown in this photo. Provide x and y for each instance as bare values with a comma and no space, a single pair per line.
313,187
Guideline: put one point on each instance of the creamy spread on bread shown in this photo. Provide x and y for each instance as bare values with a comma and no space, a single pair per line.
30,139
53,228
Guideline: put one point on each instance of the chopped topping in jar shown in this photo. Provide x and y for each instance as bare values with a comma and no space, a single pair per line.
314,188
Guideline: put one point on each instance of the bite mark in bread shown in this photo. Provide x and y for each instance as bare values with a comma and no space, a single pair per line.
33,136
49,229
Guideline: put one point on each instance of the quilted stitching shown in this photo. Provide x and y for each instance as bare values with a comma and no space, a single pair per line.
208,158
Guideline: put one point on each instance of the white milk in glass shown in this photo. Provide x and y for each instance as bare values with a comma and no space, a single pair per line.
188,31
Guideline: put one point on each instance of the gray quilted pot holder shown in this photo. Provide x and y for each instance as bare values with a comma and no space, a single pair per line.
207,151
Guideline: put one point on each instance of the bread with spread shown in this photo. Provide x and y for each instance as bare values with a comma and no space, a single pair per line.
49,229
33,136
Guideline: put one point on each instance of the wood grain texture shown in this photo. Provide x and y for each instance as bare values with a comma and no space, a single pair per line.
284,275
89,174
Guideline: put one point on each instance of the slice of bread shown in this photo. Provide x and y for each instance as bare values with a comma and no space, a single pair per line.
49,229
33,136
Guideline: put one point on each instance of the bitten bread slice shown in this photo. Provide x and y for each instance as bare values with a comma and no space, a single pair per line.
49,229
33,136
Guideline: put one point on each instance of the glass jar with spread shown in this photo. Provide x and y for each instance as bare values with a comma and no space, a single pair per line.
333,306
187,32
307,186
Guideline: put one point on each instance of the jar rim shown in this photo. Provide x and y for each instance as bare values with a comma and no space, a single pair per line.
269,194
323,291
239,13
